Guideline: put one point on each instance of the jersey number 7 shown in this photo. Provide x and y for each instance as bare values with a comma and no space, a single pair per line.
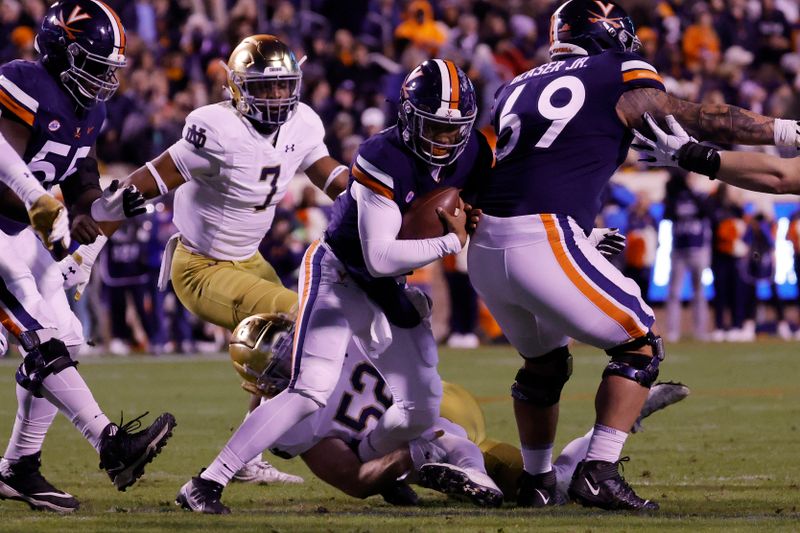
266,174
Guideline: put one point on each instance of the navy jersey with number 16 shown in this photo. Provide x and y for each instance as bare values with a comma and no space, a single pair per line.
559,136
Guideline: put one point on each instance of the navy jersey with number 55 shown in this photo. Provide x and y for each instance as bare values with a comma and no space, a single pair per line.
60,137
559,136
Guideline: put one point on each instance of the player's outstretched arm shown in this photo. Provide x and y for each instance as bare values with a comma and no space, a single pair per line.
329,176
713,122
335,463
47,216
748,170
760,172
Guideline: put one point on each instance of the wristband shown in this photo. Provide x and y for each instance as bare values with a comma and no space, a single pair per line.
786,133
162,187
696,157
332,176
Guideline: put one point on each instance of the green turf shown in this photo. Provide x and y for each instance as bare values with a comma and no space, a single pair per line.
725,458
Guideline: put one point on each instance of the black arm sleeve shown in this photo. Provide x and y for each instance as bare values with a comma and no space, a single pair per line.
86,177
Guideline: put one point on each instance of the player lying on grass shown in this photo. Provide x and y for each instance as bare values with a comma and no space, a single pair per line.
748,170
452,457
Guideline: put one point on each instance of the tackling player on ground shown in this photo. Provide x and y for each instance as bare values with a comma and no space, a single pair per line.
563,129
52,112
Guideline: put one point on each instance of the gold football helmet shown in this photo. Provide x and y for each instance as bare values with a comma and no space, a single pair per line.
264,80
461,407
252,344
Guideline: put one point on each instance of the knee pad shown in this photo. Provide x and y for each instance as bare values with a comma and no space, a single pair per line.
541,385
43,359
626,363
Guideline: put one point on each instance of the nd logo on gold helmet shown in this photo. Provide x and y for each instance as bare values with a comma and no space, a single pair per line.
251,348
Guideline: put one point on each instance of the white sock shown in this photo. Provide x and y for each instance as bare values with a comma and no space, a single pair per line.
606,444
34,416
565,464
67,391
260,430
537,460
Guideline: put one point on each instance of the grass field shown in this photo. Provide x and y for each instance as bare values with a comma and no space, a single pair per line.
725,458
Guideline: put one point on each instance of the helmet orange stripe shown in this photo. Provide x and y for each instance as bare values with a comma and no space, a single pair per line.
454,88
120,27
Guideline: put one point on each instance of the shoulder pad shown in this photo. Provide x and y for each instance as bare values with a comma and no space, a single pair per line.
381,166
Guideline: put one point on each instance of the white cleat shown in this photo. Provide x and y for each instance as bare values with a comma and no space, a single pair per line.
263,473
661,395
467,483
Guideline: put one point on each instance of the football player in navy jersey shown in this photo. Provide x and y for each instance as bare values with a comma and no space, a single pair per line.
353,283
563,129
51,113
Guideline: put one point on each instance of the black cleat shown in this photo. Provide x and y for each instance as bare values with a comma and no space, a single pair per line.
400,494
124,455
468,483
22,481
202,496
599,484
539,490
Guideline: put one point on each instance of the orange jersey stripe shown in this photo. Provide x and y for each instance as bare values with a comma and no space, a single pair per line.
9,323
639,74
11,104
604,304
455,94
372,184
308,260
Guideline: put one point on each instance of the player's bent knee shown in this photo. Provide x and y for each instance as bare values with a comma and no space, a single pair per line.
540,382
43,359
628,361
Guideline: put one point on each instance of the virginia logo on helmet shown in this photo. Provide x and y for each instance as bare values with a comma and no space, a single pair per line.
84,50
76,15
436,112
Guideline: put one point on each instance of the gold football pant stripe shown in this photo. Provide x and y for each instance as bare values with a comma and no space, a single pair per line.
227,292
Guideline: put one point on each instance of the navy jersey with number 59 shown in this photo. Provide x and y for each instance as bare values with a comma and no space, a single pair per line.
559,136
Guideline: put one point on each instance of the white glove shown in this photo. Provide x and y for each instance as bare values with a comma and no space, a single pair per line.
118,204
663,151
50,222
608,241
76,268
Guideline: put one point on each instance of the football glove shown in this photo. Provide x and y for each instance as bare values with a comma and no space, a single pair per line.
118,204
76,268
50,222
608,241
663,152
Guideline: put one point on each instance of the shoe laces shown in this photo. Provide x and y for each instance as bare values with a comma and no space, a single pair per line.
131,425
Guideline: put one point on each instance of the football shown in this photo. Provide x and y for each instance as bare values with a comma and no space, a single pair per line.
421,220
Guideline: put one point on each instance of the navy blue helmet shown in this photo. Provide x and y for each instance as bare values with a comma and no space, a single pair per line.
589,27
437,111
82,42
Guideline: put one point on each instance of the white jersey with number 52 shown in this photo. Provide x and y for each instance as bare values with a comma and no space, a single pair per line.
235,176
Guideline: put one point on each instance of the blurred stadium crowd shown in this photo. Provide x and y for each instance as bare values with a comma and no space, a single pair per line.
743,52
